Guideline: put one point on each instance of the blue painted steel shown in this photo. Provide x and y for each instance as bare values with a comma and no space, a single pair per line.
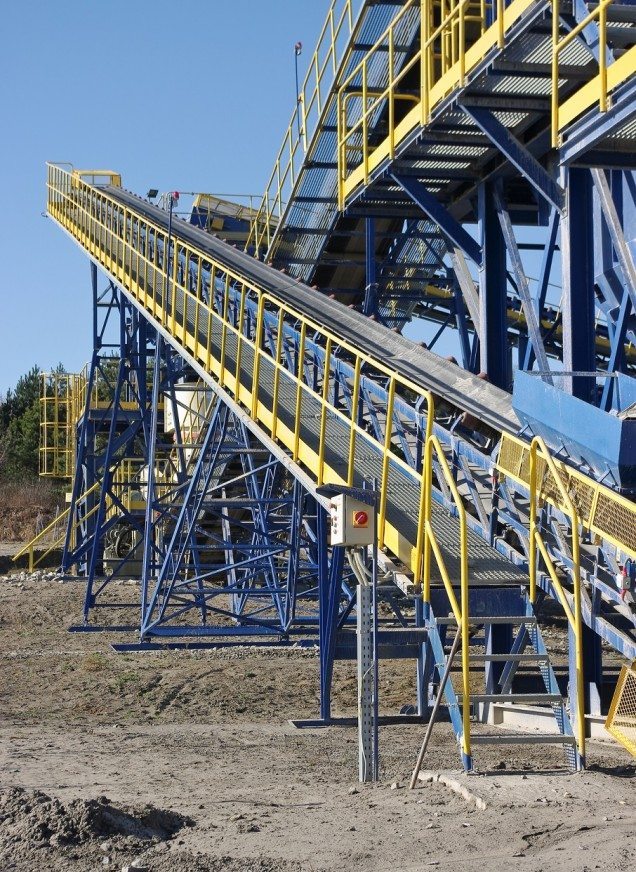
520,157
437,213
605,442
495,351
577,259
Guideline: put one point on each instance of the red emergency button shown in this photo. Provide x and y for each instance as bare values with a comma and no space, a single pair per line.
360,519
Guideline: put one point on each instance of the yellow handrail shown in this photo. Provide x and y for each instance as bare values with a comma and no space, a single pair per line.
599,13
311,102
451,46
430,544
102,226
538,448
29,548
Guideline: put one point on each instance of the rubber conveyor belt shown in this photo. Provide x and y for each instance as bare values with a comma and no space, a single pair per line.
467,392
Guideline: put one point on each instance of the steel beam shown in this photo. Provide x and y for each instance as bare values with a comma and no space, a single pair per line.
495,352
431,206
578,301
523,288
520,157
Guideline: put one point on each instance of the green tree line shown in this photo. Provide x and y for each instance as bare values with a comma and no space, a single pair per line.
20,428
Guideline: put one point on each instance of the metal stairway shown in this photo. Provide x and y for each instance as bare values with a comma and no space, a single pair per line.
504,659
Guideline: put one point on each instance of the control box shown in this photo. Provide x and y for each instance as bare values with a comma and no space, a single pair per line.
352,521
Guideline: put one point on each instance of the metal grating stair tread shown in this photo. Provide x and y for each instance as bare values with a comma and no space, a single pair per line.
524,739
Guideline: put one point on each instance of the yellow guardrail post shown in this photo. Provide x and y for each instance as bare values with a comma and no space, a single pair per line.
279,347
226,308
460,610
555,73
365,124
239,338
299,387
355,400
425,33
575,617
388,432
257,356
599,13
426,486
602,54
326,377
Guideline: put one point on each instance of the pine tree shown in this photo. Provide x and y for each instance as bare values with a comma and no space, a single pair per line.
20,428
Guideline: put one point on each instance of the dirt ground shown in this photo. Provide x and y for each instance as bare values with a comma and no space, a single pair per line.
187,761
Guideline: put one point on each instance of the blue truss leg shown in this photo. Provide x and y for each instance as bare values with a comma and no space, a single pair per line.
523,288
186,519
149,552
544,279
495,352
577,259
617,355
329,591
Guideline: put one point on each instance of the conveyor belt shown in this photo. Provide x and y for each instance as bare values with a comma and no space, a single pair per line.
467,392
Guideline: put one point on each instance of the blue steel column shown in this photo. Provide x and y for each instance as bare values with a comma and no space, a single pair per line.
577,259
495,352
329,590
371,288
498,641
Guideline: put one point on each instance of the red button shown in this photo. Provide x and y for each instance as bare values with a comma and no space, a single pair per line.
360,519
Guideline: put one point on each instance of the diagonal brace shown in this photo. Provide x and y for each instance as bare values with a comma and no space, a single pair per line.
612,220
437,213
523,289
519,156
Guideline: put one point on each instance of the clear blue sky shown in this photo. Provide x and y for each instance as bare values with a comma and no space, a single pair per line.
192,95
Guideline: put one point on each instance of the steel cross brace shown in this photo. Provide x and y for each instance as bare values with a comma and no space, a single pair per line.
520,157
523,288
439,215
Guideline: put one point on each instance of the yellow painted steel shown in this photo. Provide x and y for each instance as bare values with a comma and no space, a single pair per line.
621,719
63,400
52,537
448,51
600,510
112,234
60,395
95,177
431,547
596,90
331,49
538,449
456,35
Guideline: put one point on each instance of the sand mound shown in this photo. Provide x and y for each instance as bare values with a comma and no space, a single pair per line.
32,819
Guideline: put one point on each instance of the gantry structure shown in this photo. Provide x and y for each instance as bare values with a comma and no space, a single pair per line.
454,170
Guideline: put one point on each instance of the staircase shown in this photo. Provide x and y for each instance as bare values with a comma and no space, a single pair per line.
522,658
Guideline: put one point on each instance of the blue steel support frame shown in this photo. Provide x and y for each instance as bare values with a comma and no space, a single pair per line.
577,260
112,425
495,351
242,553
431,206
370,304
519,157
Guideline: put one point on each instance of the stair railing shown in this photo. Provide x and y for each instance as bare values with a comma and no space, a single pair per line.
598,15
431,547
44,535
542,484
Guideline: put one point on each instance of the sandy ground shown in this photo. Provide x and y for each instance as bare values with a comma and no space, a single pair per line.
206,737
